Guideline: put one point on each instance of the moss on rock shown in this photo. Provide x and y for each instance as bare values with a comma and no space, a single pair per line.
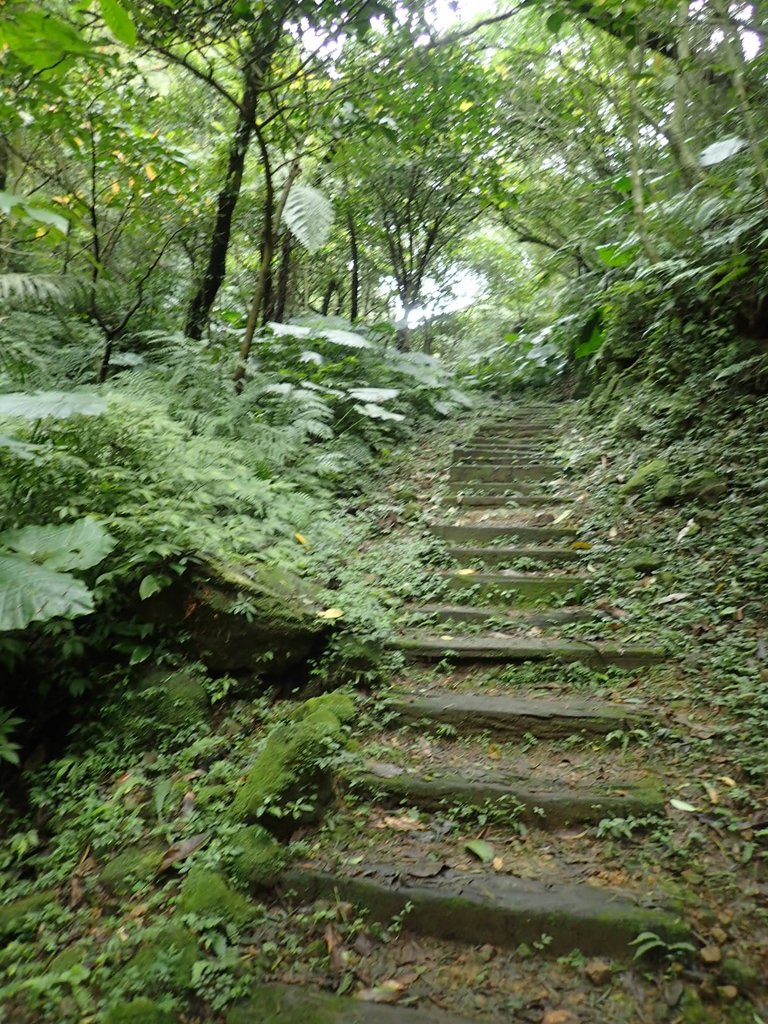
139,1011
667,489
338,703
274,1004
290,769
644,561
165,960
207,894
18,916
705,485
261,858
175,698
133,864
646,476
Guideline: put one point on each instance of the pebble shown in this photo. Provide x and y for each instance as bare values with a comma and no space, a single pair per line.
598,971
728,993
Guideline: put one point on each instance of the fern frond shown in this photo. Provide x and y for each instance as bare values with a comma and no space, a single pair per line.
52,289
309,216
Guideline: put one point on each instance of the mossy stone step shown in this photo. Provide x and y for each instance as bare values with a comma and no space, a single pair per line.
516,716
543,808
493,487
523,588
490,908
510,499
499,458
505,474
503,616
294,1004
511,649
487,534
499,554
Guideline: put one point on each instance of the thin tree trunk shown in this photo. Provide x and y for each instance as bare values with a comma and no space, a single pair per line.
216,268
354,284
332,286
635,63
689,166
271,227
283,278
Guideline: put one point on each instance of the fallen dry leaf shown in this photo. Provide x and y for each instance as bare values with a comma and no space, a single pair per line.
401,823
387,992
181,850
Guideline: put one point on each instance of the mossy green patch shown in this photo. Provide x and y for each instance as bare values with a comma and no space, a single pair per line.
20,915
705,485
273,1004
260,859
667,489
338,703
290,769
175,698
135,864
206,894
139,1011
646,476
165,959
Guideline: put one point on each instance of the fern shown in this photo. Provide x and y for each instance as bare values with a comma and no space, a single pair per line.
309,216
37,289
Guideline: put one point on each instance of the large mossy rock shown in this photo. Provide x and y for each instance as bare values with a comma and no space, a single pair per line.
22,915
646,476
205,893
259,860
290,780
260,618
165,959
135,865
139,1011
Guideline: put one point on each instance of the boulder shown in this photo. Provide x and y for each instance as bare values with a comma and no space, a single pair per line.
139,1011
646,476
290,780
705,485
259,859
133,865
242,619
205,893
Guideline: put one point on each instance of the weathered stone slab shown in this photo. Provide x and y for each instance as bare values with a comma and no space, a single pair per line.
495,909
486,534
544,808
480,648
528,499
503,616
506,474
294,1004
519,587
499,554
515,716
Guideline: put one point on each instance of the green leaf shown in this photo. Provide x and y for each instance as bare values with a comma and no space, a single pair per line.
33,593
555,21
77,545
309,216
615,255
152,585
139,654
377,412
118,21
481,849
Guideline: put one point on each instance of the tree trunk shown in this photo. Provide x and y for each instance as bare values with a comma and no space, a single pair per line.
332,286
283,279
636,170
271,227
354,294
205,296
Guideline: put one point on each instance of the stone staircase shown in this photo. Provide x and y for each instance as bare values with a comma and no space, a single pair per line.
507,502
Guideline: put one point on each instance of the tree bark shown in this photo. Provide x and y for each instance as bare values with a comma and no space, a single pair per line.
354,284
283,279
216,267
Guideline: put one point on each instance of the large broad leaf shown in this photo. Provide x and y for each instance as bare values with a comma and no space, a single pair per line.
77,545
118,21
32,593
291,330
57,404
721,150
374,394
346,338
377,412
309,216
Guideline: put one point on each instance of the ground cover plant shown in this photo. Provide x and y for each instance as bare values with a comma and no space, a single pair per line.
358,364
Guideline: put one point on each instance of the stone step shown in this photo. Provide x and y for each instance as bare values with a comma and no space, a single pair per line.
487,534
505,474
499,458
508,488
544,808
512,649
490,908
516,716
499,555
516,432
511,500
520,587
288,1004
502,616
